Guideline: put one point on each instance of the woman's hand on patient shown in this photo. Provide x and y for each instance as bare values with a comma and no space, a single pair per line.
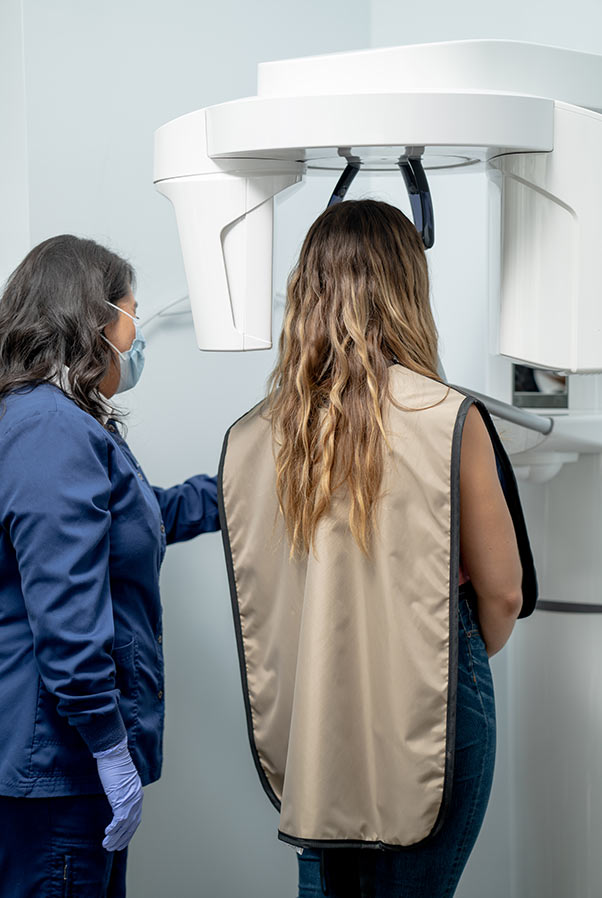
123,788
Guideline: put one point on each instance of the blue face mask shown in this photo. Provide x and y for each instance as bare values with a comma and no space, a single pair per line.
131,362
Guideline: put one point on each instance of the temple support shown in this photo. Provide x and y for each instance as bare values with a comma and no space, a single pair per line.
420,198
418,191
344,183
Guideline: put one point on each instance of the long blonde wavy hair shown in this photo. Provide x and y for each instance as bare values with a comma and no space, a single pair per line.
357,300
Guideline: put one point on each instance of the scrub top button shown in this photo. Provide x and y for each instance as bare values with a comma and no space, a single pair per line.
162,528
140,475
159,639
160,694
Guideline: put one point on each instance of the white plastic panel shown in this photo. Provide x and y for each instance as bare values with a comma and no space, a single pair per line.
225,228
539,281
181,148
551,280
249,238
286,127
556,764
484,65
224,211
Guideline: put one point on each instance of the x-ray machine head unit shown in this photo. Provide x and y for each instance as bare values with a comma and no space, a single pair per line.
529,115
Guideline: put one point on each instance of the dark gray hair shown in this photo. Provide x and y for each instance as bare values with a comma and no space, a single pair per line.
53,312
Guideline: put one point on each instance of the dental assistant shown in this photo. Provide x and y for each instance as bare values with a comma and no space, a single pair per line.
82,538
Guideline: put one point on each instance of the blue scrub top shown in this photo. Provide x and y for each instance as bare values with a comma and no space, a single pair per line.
82,538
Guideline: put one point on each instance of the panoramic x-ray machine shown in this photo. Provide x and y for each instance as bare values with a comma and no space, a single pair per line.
530,117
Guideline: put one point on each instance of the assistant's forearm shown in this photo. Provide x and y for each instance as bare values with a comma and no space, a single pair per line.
190,508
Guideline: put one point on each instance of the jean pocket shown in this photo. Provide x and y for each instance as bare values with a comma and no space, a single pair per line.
478,649
478,646
472,627
472,615
474,669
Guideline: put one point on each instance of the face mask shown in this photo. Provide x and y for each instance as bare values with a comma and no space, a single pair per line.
131,362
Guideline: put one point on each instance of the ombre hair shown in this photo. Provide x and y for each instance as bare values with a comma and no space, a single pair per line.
357,301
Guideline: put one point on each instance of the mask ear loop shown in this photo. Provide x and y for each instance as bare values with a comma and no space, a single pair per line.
123,311
418,190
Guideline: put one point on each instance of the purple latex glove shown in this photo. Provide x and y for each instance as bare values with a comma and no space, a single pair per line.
123,788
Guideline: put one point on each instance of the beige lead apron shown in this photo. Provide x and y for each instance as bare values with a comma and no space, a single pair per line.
349,664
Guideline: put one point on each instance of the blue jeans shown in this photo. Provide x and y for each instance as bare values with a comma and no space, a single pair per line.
52,848
431,870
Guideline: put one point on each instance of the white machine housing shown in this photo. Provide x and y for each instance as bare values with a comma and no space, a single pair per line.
529,115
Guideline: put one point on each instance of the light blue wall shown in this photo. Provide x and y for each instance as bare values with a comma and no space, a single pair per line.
575,25
100,77
14,189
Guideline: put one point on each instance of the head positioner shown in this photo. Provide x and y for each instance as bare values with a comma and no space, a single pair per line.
418,191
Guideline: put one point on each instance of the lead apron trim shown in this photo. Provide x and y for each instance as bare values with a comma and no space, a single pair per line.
453,643
236,613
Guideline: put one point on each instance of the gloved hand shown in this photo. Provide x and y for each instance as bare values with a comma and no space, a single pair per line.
123,788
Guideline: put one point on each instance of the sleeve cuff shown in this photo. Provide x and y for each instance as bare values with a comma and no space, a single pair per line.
104,732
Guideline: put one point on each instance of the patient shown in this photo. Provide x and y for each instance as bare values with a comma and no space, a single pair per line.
376,563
